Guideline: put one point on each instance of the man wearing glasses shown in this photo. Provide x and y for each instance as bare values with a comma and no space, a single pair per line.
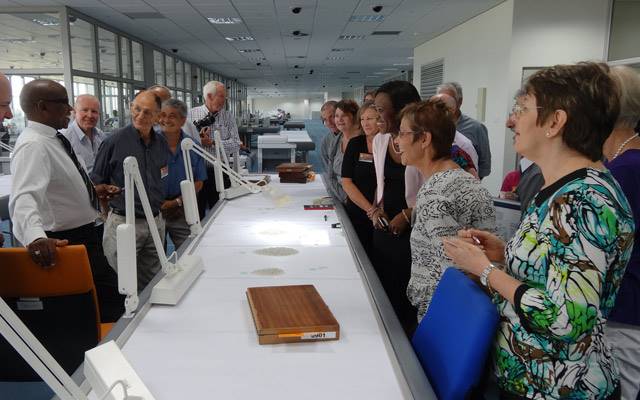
150,149
53,201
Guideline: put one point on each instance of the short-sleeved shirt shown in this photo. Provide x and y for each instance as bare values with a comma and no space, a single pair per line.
626,169
177,169
446,202
152,163
570,253
357,164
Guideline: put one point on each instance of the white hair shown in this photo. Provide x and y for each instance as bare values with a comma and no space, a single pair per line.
210,88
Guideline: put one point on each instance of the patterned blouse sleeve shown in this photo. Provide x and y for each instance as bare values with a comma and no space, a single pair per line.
581,235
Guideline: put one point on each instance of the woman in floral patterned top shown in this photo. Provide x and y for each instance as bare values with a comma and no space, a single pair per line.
564,264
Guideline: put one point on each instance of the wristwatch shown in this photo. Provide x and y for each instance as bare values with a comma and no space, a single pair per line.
179,201
484,277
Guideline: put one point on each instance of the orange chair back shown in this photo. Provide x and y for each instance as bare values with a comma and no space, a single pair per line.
21,277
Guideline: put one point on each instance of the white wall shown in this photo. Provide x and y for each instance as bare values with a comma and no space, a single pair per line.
294,105
490,51
575,31
476,54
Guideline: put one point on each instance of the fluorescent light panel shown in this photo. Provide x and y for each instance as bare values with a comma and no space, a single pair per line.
239,38
366,18
351,37
224,20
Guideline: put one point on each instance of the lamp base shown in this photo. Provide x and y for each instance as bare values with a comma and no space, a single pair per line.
172,287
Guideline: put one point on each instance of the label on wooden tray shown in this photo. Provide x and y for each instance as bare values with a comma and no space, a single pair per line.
310,335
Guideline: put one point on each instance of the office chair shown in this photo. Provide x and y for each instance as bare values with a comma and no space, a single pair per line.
454,337
58,304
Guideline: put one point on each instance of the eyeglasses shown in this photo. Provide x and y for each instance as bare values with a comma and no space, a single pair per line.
401,134
517,110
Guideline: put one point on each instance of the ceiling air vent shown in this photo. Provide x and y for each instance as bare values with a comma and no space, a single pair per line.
385,33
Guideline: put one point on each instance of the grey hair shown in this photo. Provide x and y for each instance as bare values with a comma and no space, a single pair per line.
210,88
178,105
453,87
628,81
330,103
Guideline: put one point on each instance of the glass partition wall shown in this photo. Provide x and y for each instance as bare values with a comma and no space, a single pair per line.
90,57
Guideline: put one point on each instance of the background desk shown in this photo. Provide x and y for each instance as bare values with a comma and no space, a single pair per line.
206,346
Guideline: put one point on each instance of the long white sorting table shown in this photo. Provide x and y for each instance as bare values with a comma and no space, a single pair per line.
206,347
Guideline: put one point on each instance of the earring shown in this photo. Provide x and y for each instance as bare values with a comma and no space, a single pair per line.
548,134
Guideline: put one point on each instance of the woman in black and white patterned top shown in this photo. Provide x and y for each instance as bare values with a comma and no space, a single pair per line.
449,200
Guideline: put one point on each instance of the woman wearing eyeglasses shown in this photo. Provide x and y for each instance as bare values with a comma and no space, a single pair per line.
359,175
450,198
565,262
391,255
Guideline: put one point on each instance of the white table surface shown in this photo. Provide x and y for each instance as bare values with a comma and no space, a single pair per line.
296,136
206,346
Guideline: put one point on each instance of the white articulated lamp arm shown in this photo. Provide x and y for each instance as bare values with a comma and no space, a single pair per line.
104,365
34,353
133,178
6,147
219,165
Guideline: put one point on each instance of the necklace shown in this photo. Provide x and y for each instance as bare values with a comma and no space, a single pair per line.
624,144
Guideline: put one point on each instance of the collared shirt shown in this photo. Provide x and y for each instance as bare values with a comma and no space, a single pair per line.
85,148
225,123
47,192
479,136
177,170
152,162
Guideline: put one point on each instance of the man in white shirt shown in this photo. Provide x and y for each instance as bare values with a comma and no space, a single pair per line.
5,111
53,202
85,138
215,95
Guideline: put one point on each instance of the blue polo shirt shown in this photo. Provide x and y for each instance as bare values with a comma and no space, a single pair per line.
177,172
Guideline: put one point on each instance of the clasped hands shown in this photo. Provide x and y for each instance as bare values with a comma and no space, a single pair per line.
472,250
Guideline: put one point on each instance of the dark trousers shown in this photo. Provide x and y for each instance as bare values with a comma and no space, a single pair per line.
392,262
362,225
209,196
105,279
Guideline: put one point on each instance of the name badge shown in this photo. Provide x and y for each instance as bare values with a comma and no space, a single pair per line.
366,157
164,171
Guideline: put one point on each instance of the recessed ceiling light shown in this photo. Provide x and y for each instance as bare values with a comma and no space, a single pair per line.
239,38
224,20
366,18
351,37
379,73
249,50
389,69
342,49
335,58
401,64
